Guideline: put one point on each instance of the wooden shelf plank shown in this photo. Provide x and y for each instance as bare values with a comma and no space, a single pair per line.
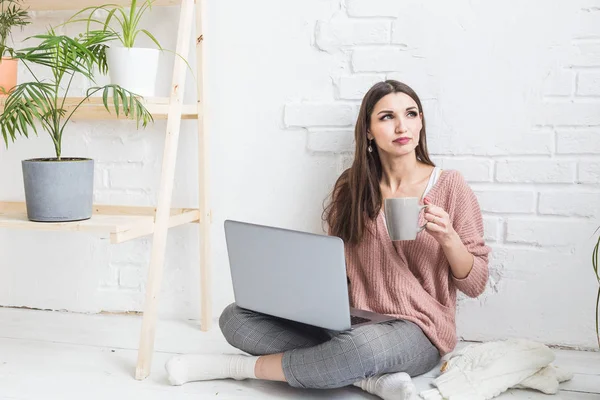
42,5
122,223
93,108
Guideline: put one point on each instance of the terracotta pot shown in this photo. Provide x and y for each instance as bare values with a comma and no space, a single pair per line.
8,75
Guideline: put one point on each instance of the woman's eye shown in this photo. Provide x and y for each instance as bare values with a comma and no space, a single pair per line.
386,116
412,114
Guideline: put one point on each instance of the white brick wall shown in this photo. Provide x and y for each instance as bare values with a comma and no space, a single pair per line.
131,276
560,82
335,141
333,35
506,201
533,144
518,118
319,115
473,169
589,171
569,204
353,87
588,83
374,8
539,171
492,228
580,113
384,60
548,232
577,142
515,110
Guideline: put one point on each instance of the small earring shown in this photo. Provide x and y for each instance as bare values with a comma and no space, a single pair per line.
370,148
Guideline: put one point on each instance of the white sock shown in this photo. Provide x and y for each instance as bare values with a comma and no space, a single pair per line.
397,386
197,367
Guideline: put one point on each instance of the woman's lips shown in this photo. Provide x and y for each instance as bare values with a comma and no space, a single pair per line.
402,140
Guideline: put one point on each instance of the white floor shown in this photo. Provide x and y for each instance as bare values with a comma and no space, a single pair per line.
51,355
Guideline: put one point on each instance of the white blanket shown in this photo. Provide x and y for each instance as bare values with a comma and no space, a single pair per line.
483,371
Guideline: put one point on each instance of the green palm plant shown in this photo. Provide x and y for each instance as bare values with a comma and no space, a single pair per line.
44,100
597,272
11,15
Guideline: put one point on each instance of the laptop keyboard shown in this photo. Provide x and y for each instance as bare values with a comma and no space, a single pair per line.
354,320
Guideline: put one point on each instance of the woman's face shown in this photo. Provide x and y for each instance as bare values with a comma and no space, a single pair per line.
395,125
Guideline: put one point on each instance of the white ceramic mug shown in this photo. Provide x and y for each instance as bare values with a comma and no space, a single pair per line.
402,217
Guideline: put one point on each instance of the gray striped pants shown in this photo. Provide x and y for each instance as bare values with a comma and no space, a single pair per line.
321,359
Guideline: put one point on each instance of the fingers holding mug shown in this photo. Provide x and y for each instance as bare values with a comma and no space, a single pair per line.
436,215
438,222
435,219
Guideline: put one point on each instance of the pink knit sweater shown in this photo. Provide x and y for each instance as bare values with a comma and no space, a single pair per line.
412,280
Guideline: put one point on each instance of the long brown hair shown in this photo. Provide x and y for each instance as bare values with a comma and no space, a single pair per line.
356,194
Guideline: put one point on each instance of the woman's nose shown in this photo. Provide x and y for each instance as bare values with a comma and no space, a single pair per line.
400,127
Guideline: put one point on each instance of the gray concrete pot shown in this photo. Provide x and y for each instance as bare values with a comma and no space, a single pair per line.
58,191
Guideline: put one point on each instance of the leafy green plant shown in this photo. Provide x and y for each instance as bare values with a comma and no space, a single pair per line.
11,15
128,20
44,100
597,272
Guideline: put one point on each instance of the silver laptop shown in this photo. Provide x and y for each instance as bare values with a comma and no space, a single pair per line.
294,275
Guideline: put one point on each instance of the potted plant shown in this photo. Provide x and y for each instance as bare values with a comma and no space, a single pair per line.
11,15
597,272
134,68
60,189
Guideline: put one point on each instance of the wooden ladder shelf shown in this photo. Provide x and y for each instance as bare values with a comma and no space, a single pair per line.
124,223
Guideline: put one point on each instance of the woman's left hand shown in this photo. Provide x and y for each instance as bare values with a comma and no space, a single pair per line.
438,223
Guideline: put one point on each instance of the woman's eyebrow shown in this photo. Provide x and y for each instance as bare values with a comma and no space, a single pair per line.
391,111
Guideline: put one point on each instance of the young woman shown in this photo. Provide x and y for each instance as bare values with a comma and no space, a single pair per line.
415,281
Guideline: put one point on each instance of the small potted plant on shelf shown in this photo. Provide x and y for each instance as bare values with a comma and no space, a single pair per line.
134,68
60,189
11,15
597,273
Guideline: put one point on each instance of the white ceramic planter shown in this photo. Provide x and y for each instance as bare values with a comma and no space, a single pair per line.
135,69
